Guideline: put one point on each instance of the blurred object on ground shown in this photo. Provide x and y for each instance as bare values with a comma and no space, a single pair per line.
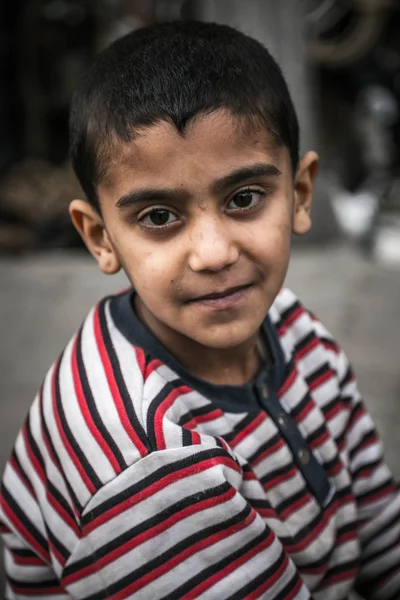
34,198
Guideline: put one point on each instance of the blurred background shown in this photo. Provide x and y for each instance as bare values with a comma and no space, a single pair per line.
342,61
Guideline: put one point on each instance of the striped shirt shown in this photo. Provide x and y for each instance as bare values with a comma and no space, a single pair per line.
132,478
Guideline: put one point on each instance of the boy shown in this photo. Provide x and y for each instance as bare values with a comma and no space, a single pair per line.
202,435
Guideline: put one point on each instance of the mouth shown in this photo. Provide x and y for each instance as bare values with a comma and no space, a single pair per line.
223,299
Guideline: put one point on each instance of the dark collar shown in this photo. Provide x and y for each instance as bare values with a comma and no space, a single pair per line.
233,398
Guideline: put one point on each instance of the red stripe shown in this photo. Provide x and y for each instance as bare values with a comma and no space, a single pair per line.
158,485
86,412
305,411
337,578
63,436
272,450
321,379
31,561
373,497
321,439
279,479
141,359
235,564
149,534
22,477
248,430
196,439
337,408
285,514
160,413
329,345
312,535
294,316
205,418
152,366
306,349
179,558
289,381
114,387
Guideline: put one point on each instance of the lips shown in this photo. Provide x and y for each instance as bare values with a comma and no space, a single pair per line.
221,294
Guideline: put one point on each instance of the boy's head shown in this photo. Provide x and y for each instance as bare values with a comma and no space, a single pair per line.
185,139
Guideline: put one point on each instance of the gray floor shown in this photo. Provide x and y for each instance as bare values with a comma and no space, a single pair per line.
43,299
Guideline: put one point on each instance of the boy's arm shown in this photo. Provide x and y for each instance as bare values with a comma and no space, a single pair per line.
174,525
376,493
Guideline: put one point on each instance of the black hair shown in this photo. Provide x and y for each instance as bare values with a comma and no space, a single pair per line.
174,71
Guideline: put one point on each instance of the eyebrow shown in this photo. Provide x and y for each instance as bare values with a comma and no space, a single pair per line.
236,177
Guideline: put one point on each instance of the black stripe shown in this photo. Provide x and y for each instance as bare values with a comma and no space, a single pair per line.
368,436
87,392
348,565
146,525
305,341
379,488
65,553
286,314
21,470
125,396
277,473
154,405
285,504
81,456
312,437
247,590
394,521
47,437
203,534
264,447
24,553
186,437
16,584
247,420
371,465
154,477
322,370
348,376
294,540
301,404
21,516
180,592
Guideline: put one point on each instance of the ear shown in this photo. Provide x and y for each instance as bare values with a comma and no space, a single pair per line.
303,192
90,226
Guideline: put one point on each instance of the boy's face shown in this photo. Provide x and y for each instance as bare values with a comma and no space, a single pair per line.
202,225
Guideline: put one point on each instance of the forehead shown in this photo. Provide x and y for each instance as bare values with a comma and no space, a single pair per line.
211,145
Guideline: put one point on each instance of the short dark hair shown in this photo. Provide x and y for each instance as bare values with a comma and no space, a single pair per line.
174,71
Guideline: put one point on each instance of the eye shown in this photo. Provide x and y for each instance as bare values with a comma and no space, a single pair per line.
157,218
246,199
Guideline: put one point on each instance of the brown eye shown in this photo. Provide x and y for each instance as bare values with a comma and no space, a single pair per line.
158,217
246,200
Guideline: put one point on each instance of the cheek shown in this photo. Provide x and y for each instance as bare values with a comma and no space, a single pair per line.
151,271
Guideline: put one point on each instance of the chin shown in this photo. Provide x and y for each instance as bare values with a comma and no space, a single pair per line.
225,338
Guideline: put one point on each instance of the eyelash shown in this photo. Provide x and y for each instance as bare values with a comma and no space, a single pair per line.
253,190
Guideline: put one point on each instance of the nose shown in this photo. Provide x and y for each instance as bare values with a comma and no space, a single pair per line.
212,247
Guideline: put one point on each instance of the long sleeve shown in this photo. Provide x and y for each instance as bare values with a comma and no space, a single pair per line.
27,563
376,493
174,525
37,523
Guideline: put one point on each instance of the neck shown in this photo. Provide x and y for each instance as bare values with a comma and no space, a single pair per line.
226,366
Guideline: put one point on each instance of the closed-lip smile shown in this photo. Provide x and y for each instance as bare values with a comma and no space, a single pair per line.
221,294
